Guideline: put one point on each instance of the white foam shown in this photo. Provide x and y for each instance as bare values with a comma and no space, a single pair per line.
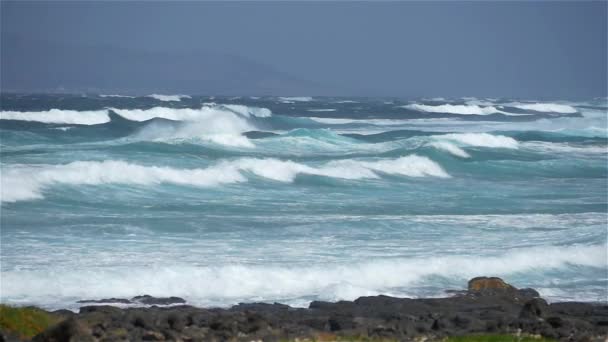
322,110
456,109
468,109
21,183
65,129
480,140
291,99
208,124
220,124
450,147
232,283
545,107
342,121
60,116
566,147
169,98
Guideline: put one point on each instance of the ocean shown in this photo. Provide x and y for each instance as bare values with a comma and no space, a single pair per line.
222,200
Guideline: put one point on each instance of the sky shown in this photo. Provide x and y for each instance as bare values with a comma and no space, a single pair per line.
525,49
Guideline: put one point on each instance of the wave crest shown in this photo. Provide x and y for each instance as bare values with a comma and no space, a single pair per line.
60,116
546,107
27,182
169,98
217,285
480,140
455,109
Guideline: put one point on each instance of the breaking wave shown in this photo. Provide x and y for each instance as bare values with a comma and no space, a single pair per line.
545,107
455,109
450,148
295,285
468,109
60,116
291,99
21,183
480,140
169,98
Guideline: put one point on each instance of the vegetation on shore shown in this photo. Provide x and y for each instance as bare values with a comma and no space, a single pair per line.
25,322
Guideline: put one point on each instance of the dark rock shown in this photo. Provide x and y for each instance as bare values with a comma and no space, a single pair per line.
490,305
149,300
528,292
105,301
70,330
533,309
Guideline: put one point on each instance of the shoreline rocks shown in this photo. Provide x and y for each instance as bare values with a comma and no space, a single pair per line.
489,306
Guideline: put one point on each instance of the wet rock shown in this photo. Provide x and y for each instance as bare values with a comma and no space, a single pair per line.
149,300
533,309
490,305
105,301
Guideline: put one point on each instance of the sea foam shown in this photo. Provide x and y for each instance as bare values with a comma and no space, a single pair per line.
233,283
60,116
480,140
169,98
545,107
455,109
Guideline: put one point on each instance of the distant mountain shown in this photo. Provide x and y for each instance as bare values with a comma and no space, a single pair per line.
39,66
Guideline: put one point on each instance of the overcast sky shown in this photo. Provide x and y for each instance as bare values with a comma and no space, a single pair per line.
512,49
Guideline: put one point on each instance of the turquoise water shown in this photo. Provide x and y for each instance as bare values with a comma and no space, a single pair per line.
228,200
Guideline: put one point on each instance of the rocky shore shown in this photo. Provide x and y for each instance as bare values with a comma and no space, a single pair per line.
488,306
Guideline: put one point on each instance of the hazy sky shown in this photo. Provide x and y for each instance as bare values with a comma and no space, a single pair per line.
520,49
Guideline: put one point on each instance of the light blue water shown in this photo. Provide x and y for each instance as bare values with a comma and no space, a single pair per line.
227,200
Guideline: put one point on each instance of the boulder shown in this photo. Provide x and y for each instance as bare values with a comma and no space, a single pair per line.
149,300
534,309
70,330
491,284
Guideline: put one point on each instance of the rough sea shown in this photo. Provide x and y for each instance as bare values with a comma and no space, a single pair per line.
222,200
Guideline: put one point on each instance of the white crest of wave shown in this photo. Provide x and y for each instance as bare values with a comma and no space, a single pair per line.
450,147
292,99
322,110
342,121
455,109
545,107
169,98
480,140
210,124
60,116
220,124
229,284
28,182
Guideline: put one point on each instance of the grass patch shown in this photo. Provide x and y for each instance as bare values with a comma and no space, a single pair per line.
25,322
496,338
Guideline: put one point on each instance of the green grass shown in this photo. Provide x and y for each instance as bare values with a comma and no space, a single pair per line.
25,322
496,338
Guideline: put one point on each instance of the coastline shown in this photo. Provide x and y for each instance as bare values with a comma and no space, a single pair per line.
488,306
